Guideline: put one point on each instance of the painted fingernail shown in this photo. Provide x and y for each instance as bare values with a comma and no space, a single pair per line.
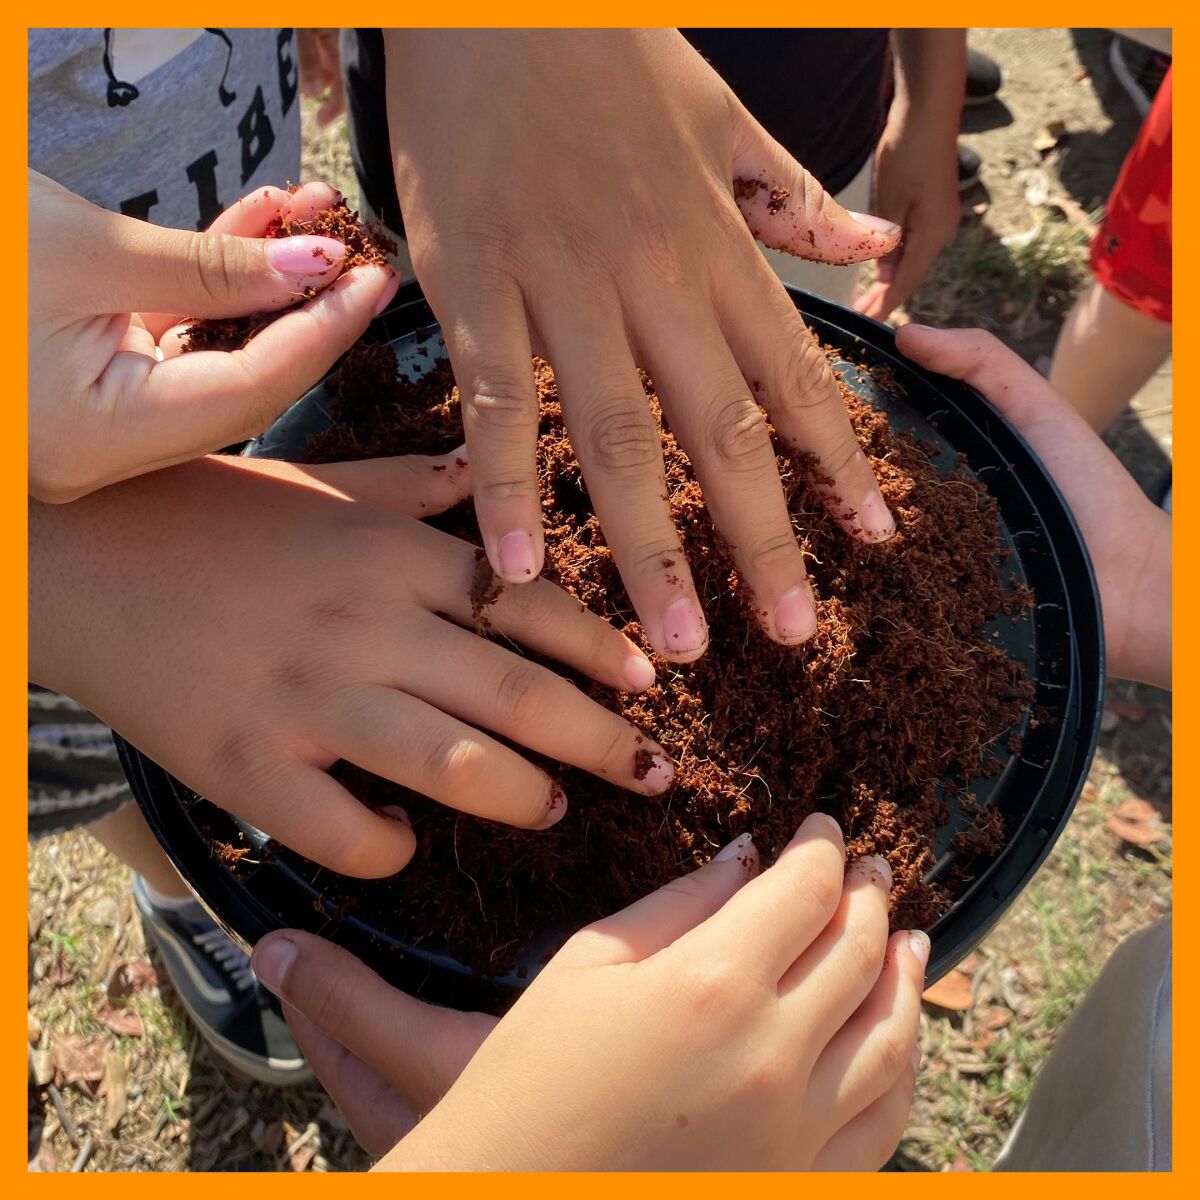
916,1058
739,845
271,959
876,869
653,771
875,224
875,519
304,255
795,616
683,627
395,812
388,293
557,808
638,673
918,943
517,561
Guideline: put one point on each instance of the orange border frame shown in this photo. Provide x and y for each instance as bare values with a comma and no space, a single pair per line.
13,608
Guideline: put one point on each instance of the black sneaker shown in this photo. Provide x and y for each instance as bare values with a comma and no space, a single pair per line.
969,166
1139,70
984,79
211,974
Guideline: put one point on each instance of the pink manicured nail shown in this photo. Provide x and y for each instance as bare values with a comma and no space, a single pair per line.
389,292
876,224
517,561
874,864
638,673
656,775
875,519
795,616
739,845
297,256
918,943
684,629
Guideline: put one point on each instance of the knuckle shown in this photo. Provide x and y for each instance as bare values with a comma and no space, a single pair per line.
498,491
814,886
774,550
864,948
453,763
329,1003
623,439
894,1053
738,432
712,994
501,399
213,259
805,380
763,1074
843,456
519,694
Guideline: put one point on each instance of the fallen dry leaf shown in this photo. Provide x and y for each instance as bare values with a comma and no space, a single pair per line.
1090,793
996,1018
120,1020
59,972
1049,136
1137,822
952,991
79,1059
130,978
116,1088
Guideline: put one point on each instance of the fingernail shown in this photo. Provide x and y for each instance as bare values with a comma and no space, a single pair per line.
819,820
304,255
918,943
916,1058
517,561
389,292
653,771
795,616
875,224
875,519
876,868
395,812
271,959
683,627
557,808
739,845
638,673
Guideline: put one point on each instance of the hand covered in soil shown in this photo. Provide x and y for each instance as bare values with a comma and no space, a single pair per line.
246,624
105,292
725,1022
1128,537
916,163
600,207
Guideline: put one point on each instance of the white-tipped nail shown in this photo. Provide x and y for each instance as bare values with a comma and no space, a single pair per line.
736,847
876,224
918,943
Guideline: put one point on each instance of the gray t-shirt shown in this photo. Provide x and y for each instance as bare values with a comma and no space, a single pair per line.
170,125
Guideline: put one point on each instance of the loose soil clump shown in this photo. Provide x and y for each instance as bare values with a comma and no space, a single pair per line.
899,699
366,245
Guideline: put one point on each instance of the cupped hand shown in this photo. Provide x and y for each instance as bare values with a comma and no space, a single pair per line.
601,206
246,624
105,292
724,1022
1128,537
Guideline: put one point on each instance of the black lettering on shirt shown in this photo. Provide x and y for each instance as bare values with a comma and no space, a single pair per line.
287,69
257,135
203,173
140,206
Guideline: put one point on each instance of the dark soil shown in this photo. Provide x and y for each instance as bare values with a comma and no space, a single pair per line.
898,694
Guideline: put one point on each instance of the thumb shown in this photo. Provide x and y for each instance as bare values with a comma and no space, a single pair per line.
416,485
654,922
130,266
787,209
418,1048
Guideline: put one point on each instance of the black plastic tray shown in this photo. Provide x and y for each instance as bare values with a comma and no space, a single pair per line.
1060,641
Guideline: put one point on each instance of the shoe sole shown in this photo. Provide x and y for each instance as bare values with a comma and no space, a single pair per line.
1133,89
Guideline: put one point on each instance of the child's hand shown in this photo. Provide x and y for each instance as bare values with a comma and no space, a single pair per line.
105,289
717,1024
1128,537
246,624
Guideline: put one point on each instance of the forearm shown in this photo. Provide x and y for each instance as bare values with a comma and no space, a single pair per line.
931,71
1142,651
